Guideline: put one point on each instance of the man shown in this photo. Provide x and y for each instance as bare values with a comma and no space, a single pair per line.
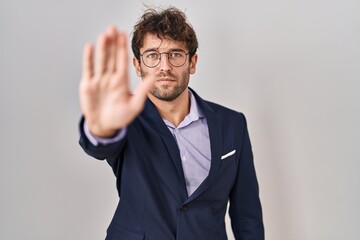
177,158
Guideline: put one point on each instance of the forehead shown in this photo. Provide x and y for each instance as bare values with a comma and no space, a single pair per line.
151,41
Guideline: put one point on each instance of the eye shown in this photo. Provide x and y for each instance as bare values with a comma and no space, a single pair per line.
152,55
176,54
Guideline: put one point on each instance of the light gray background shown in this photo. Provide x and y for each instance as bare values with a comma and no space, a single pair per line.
292,66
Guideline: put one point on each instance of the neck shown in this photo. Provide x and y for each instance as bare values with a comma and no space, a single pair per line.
174,111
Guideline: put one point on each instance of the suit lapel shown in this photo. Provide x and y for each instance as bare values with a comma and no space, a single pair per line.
215,134
178,183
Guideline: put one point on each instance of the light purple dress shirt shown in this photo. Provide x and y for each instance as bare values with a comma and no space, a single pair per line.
192,138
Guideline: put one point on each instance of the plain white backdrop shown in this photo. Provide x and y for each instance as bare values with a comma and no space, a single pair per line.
292,67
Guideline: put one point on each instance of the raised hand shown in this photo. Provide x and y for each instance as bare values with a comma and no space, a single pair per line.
106,100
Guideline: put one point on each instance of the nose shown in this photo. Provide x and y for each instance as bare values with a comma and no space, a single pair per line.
164,62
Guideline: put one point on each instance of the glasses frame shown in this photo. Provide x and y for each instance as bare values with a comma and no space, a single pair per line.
161,53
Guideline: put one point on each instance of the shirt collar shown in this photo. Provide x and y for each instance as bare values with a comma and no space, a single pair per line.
195,110
194,114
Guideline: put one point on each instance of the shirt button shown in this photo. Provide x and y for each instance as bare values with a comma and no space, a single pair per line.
183,208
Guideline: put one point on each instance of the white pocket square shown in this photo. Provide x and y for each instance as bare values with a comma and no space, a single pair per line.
228,154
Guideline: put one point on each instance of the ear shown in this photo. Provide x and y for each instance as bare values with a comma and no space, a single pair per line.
136,64
193,62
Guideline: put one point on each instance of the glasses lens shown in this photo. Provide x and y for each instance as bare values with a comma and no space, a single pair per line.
177,58
151,58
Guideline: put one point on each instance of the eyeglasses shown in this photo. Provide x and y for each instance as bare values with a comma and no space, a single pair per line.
152,58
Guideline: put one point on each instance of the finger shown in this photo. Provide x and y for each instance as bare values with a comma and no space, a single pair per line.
87,63
112,38
140,93
122,57
100,55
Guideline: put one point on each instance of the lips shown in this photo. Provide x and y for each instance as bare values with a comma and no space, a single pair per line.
166,79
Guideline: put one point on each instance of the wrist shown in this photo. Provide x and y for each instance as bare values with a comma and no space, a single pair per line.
100,132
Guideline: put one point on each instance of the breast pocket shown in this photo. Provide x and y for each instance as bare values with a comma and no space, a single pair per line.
228,159
228,155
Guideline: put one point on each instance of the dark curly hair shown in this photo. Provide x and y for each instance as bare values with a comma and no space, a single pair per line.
169,23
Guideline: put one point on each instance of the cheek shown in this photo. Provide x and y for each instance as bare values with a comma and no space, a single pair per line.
185,75
144,72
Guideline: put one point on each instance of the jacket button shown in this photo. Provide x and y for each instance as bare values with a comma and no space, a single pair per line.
183,208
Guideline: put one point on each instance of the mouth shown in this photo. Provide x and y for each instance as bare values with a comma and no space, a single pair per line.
165,79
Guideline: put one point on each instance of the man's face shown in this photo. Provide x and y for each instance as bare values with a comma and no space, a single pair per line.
170,81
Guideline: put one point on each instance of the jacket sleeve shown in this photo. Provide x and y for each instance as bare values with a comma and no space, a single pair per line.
245,207
111,152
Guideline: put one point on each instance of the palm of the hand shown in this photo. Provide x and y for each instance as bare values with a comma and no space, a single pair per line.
105,97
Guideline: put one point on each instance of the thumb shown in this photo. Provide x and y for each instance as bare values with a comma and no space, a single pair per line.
140,93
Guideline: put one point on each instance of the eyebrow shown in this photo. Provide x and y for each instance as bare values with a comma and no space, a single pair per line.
171,49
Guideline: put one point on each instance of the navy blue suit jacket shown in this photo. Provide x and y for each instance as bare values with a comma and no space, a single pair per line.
154,204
